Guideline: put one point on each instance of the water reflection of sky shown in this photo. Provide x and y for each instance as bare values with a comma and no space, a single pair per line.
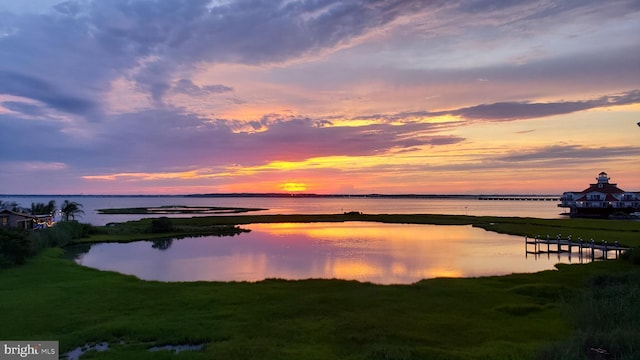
374,252
298,205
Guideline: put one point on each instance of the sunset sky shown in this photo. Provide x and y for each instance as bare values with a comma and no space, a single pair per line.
318,96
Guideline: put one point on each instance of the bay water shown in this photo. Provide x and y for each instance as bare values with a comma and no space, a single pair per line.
301,205
362,251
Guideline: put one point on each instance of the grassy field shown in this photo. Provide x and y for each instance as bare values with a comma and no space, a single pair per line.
520,316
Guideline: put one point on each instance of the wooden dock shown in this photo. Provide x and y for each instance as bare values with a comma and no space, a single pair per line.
583,249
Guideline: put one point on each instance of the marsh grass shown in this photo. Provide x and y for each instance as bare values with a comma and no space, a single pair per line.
519,316
506,317
606,315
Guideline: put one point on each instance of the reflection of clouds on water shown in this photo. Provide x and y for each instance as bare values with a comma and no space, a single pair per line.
373,252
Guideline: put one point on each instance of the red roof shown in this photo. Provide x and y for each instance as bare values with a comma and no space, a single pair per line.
610,197
604,188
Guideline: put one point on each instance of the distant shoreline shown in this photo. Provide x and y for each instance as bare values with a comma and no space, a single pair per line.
310,195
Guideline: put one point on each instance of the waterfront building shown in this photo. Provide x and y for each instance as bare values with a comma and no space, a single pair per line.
602,199
16,219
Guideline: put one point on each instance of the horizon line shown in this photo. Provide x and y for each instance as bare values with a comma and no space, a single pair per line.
294,194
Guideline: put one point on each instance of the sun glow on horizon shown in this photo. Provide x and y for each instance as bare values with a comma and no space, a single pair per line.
293,187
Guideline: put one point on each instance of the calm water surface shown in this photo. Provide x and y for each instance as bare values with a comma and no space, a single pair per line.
373,252
379,253
539,209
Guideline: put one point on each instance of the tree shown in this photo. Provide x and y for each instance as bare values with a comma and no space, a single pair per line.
10,205
161,225
70,209
42,208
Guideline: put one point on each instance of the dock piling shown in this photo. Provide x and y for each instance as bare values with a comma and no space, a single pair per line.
604,247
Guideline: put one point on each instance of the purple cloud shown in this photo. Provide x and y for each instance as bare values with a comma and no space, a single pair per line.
45,92
572,153
526,110
159,139
515,110
186,86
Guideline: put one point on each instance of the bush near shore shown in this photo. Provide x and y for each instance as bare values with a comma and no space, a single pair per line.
17,245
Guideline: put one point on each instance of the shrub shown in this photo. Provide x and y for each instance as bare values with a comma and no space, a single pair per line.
15,247
62,234
161,225
632,255
606,315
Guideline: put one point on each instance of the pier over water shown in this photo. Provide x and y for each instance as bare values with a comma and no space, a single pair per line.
520,197
583,249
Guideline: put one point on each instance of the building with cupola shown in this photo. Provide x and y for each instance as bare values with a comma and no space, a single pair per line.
602,199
